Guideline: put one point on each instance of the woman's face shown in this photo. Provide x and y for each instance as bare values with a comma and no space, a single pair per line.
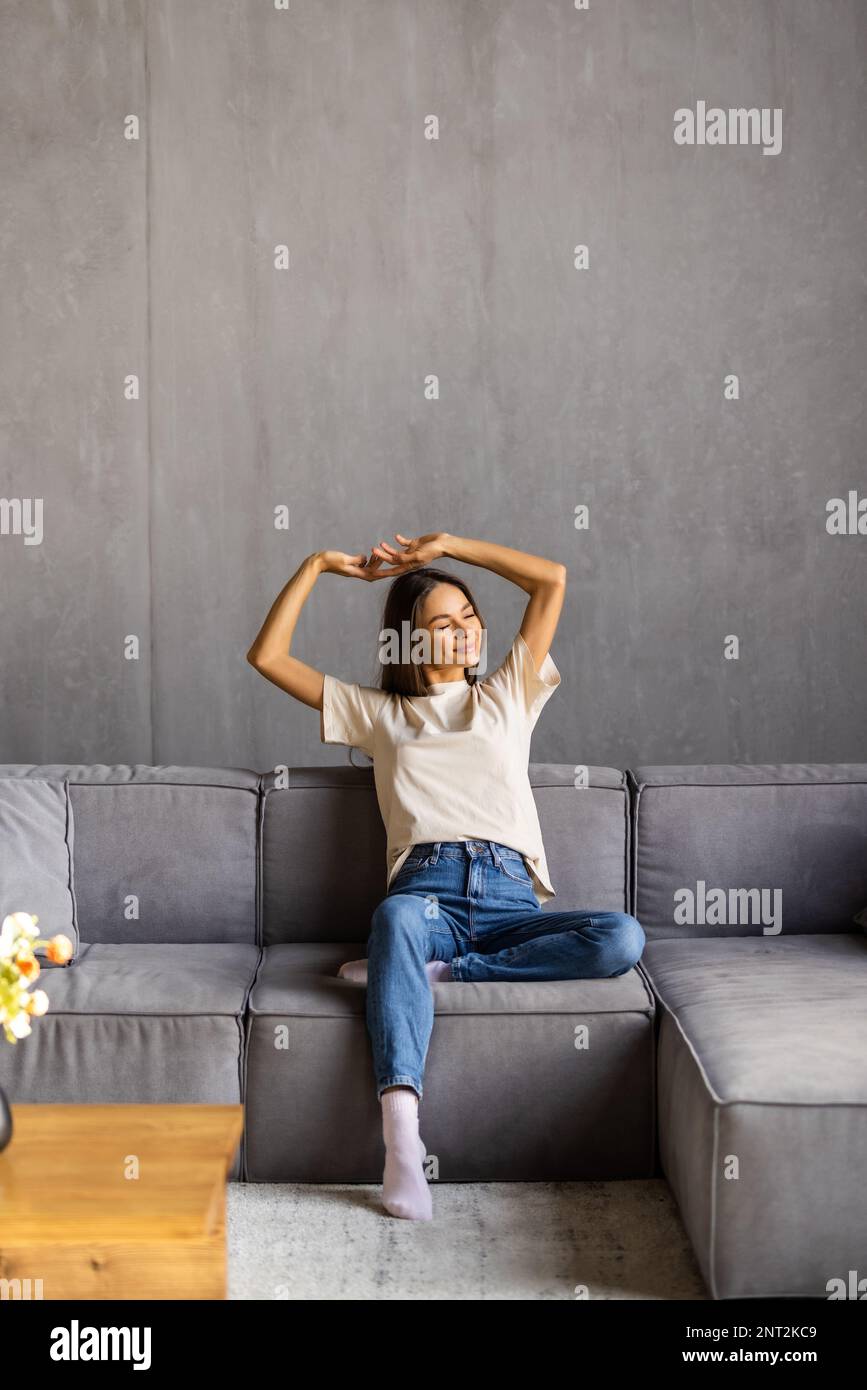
455,629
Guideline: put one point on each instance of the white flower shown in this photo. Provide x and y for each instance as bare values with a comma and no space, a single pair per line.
24,921
40,1002
20,1026
14,925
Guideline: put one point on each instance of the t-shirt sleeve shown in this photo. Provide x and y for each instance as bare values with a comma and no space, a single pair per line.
528,688
350,713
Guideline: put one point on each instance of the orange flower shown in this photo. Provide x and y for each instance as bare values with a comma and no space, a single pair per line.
28,965
59,950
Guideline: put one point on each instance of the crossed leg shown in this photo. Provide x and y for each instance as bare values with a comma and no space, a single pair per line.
554,946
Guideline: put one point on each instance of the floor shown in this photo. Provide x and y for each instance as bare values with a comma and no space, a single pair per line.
486,1241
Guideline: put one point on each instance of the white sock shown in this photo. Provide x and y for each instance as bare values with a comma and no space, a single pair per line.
405,1191
356,970
438,971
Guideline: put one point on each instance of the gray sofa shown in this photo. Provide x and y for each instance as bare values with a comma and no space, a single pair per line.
731,1060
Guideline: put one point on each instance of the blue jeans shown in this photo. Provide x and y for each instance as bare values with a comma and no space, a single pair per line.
471,903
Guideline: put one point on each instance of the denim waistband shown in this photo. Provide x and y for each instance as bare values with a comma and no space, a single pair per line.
465,849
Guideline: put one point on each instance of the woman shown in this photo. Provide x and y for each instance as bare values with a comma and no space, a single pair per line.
466,870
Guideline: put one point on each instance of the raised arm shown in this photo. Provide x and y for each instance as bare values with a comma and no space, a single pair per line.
270,654
544,580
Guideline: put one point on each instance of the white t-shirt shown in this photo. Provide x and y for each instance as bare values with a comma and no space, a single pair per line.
451,764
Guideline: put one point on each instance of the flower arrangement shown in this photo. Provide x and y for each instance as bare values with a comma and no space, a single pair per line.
19,968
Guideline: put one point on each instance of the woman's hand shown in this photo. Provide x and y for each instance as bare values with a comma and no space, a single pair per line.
337,562
418,551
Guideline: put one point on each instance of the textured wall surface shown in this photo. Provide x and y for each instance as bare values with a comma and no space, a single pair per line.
606,384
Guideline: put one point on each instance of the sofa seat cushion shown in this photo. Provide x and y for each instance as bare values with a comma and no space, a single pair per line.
762,1106
530,1081
153,979
301,978
147,978
140,1023
780,1019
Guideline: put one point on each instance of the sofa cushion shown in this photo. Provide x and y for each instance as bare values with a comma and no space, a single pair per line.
140,1023
759,850
762,1096
323,847
162,854
527,1081
36,857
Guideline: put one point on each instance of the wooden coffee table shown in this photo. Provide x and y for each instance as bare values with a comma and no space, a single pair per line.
117,1201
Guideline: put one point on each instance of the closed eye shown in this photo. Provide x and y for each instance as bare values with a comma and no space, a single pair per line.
465,614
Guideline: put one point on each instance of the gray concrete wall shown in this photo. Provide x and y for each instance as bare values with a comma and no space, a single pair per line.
262,387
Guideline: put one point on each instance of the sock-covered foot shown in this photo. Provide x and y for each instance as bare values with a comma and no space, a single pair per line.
438,970
405,1191
356,971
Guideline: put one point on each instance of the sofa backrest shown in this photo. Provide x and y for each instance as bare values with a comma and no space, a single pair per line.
161,853
191,854
749,850
323,847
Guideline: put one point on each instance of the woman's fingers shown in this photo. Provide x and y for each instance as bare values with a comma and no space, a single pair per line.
395,563
387,552
393,552
373,565
385,560
358,566
384,574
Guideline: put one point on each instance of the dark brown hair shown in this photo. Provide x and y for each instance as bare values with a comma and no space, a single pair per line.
403,605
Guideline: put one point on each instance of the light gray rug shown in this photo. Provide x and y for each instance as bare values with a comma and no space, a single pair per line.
486,1241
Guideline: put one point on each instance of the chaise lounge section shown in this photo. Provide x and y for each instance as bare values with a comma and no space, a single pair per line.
749,882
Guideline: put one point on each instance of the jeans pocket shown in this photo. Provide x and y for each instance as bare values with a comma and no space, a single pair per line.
413,864
513,868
